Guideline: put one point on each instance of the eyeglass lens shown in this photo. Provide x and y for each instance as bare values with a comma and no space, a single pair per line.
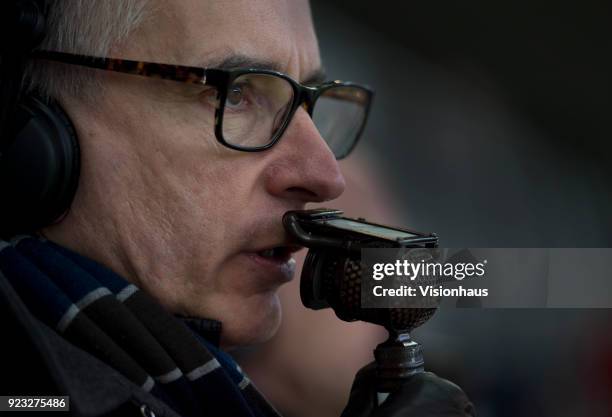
257,106
339,114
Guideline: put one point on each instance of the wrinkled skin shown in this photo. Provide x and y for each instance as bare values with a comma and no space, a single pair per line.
162,203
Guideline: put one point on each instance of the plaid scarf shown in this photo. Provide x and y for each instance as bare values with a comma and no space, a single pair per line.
105,315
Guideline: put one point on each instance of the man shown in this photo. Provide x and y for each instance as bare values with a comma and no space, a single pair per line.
181,192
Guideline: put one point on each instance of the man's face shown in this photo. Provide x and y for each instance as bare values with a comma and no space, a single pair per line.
162,203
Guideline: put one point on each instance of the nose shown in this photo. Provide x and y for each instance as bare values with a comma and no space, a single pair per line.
304,168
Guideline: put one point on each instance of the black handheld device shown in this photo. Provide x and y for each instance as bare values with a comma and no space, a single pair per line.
332,277
326,228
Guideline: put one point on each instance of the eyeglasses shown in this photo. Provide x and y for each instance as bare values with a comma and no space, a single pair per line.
253,107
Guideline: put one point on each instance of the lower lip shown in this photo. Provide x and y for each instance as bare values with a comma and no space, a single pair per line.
276,269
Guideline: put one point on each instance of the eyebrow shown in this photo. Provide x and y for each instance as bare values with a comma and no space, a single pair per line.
242,61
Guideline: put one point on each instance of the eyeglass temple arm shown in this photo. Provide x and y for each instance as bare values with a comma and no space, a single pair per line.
190,75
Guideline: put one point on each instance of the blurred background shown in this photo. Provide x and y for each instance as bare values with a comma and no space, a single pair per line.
492,127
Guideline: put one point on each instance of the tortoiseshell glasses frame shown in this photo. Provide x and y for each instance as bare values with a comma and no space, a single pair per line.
349,96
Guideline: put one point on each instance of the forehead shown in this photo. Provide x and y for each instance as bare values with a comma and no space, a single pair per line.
203,32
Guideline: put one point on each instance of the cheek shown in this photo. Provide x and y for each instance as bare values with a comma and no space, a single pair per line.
203,188
214,188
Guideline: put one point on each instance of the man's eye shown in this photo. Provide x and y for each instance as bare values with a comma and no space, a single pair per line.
235,95
240,96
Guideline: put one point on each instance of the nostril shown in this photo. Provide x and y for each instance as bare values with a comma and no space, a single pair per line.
303,193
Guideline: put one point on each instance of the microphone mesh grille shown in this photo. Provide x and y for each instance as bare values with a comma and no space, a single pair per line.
343,287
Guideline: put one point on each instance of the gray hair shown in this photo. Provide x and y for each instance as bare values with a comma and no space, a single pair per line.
88,27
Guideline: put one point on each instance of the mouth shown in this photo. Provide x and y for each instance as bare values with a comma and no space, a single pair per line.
279,254
275,262
272,261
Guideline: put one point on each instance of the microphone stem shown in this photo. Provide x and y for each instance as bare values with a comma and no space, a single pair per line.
397,359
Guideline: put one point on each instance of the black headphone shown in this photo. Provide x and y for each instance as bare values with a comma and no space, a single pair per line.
39,151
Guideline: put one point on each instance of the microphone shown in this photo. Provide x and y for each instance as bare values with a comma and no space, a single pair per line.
332,277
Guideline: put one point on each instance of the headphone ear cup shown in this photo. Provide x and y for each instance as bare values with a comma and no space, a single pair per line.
39,171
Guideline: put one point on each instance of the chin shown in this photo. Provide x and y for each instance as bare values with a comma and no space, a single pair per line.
256,321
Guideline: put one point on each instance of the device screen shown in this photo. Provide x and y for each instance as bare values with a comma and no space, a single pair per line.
369,229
